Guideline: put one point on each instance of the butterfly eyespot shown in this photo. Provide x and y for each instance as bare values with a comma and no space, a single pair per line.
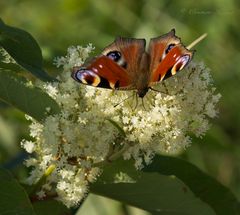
180,64
170,46
167,50
87,77
114,55
118,58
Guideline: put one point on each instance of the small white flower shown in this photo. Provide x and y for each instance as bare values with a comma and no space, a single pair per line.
29,146
41,194
31,162
51,90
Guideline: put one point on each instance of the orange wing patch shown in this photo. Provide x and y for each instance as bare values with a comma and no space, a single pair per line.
102,72
177,58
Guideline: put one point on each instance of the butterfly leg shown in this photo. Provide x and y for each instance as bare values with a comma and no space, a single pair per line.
159,91
136,101
143,104
150,101
166,90
124,100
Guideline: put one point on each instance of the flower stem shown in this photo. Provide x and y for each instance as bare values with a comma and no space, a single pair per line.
113,156
41,181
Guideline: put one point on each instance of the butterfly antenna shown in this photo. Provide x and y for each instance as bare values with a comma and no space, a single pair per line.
159,91
195,42
123,100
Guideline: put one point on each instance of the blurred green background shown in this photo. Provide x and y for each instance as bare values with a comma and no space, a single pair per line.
58,24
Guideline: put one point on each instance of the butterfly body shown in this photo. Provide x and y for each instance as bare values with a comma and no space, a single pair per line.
125,65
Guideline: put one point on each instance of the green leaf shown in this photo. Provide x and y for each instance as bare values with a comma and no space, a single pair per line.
153,192
209,190
23,48
29,99
167,186
50,207
13,199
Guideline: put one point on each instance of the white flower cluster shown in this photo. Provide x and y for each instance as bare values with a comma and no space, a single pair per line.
99,125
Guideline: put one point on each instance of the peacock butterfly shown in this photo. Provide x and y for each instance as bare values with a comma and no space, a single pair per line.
125,65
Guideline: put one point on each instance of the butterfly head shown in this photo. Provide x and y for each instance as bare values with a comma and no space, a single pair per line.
142,92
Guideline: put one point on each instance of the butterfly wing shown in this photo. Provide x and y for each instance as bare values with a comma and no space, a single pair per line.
115,67
167,56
